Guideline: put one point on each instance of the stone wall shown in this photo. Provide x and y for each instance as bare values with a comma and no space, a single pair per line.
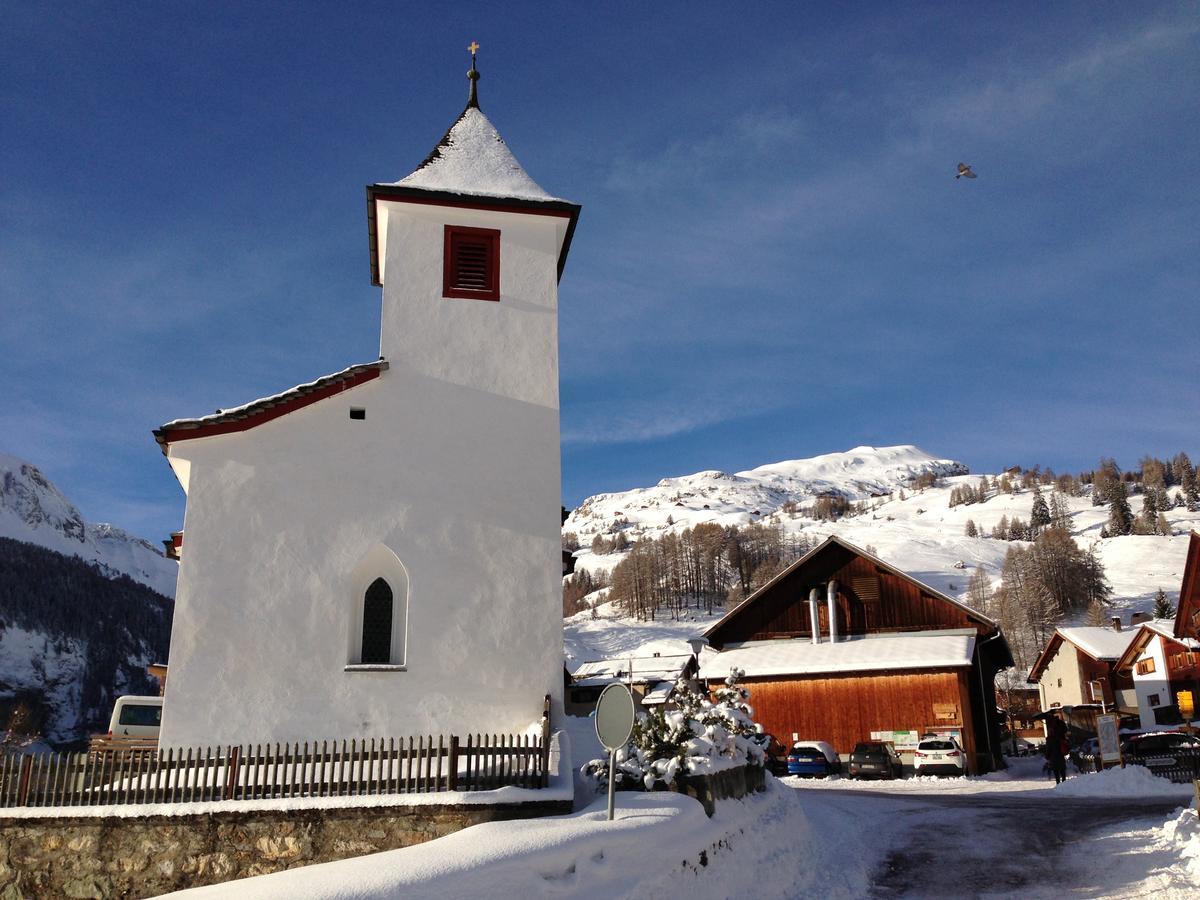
89,856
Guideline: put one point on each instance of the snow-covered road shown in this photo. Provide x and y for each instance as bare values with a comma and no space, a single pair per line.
966,846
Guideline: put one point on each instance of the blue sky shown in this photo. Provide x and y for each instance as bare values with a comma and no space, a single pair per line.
774,258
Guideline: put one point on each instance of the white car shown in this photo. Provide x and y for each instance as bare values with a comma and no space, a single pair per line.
939,756
136,718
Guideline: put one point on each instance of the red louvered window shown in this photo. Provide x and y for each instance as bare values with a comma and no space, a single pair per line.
472,263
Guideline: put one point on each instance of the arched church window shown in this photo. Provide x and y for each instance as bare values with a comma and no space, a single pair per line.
377,624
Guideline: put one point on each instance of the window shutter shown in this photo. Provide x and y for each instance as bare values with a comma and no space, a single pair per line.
472,263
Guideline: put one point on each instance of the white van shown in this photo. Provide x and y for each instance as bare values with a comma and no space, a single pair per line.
136,718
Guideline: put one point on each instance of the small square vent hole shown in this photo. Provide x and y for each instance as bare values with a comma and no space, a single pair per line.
357,412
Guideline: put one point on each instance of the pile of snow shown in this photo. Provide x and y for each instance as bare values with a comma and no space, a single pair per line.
1131,782
1184,833
660,845
33,510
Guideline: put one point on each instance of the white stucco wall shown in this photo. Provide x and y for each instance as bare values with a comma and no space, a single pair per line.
1152,683
455,471
1064,666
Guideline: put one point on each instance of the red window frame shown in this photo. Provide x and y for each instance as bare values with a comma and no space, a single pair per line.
456,238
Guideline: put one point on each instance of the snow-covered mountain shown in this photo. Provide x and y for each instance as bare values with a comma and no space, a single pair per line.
33,510
758,494
914,529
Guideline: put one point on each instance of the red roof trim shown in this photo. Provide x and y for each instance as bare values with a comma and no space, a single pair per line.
268,409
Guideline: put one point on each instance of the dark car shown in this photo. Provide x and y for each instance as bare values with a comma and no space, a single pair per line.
874,759
775,761
1161,750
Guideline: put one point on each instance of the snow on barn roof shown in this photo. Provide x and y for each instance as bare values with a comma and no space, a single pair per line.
256,412
473,159
646,669
1100,642
867,653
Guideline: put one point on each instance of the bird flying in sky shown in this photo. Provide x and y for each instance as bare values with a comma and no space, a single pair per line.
964,171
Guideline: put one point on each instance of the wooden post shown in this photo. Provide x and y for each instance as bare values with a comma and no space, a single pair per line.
452,765
545,779
231,772
23,780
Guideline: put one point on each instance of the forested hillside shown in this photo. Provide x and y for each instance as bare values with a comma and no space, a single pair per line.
72,639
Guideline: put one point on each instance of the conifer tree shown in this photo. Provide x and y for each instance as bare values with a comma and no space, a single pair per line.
1120,516
1039,515
972,529
1162,606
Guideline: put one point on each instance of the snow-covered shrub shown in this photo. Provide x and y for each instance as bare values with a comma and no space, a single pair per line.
698,737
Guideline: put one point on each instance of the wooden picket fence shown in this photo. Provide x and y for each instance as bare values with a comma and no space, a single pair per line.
356,768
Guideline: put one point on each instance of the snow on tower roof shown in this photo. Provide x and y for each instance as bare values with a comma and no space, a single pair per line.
473,159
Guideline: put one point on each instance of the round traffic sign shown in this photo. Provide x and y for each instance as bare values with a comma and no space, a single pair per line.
614,716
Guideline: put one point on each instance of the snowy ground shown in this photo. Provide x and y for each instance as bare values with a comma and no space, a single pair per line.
1120,834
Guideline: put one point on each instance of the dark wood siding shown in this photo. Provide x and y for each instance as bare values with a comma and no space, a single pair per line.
845,709
871,600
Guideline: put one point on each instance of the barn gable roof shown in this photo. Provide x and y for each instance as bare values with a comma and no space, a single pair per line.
714,631
265,409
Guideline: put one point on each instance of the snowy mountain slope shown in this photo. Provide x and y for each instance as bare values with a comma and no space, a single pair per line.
858,474
32,509
920,534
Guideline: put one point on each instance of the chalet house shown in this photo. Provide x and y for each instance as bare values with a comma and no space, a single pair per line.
1077,667
1160,665
1187,616
842,647
651,680
372,553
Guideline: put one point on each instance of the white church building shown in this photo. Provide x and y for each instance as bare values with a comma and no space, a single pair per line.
377,552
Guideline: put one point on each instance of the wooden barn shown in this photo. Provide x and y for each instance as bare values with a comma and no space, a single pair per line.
842,647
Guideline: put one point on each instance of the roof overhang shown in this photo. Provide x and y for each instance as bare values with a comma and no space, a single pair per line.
377,193
1187,613
258,412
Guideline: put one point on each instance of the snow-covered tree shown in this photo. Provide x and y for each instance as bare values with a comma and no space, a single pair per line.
701,735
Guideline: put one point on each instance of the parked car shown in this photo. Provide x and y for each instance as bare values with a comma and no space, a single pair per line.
874,759
775,761
816,759
939,756
136,718
1086,755
1161,749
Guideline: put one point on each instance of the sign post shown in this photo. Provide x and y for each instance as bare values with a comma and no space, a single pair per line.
1109,739
614,724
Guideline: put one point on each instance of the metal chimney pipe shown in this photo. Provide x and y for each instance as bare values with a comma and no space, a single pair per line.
814,597
831,598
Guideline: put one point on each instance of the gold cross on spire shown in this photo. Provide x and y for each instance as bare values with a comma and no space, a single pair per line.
473,46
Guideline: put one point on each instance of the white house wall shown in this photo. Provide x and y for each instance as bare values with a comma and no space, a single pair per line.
455,471
1063,667
1153,683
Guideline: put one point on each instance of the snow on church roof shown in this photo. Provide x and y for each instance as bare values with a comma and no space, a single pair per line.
473,159
256,412
868,653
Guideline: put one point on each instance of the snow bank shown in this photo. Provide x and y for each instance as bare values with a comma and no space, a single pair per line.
1131,781
660,845
1184,833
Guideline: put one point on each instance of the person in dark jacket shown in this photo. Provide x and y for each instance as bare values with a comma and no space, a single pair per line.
1057,747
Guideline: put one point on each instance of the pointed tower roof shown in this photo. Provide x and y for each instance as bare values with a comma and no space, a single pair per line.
473,159
470,166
